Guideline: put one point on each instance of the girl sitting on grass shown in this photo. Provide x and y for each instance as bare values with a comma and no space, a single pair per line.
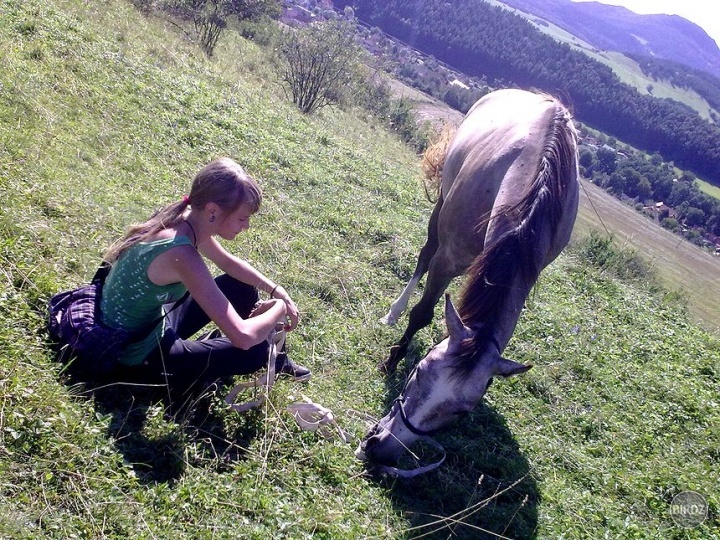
157,261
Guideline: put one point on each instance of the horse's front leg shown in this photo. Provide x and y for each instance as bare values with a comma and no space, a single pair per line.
423,262
397,353
422,314
400,305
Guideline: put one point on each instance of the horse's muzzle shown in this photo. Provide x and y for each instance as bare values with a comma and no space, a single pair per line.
371,447
361,452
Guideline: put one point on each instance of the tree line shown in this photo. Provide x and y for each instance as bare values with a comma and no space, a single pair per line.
646,181
491,42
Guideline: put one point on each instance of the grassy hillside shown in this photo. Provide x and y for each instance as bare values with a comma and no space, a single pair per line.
680,265
104,116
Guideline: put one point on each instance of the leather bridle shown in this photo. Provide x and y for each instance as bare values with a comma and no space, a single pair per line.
400,400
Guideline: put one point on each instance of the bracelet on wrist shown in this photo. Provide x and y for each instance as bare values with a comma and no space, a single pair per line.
272,293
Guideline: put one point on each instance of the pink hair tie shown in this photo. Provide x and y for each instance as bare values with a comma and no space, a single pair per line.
186,200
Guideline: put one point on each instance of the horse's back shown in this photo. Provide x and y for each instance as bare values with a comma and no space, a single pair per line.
495,131
494,156
504,177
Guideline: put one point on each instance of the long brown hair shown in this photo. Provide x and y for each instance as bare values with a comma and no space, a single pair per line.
222,181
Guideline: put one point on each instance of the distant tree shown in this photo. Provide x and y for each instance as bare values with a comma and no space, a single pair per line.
670,224
693,236
679,194
586,160
461,99
632,180
606,160
643,189
319,63
616,183
662,186
713,224
688,177
210,17
694,217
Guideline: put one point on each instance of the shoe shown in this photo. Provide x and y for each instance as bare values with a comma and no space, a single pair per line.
285,366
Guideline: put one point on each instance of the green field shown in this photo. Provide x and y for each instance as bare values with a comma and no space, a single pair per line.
709,189
680,265
105,115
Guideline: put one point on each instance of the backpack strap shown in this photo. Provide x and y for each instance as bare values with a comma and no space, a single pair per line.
99,278
101,273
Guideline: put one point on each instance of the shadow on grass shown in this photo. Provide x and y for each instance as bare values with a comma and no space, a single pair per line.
160,433
483,490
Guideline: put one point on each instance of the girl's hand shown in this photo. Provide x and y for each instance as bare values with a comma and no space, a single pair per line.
262,306
293,316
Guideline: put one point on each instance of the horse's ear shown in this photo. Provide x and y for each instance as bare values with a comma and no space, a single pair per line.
508,368
456,329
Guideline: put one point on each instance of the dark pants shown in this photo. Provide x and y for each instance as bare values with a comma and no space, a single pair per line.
183,363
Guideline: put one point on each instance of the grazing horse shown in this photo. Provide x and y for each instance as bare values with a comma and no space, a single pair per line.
507,206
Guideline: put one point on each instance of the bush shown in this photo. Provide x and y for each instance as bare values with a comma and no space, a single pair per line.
624,263
670,224
210,17
319,63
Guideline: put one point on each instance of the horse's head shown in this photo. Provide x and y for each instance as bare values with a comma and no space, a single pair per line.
449,382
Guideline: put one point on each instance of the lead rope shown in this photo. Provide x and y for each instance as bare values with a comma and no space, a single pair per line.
312,416
264,383
410,473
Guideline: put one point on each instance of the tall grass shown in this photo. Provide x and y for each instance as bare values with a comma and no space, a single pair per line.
104,116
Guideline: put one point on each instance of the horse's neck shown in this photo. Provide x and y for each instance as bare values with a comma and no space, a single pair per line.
506,319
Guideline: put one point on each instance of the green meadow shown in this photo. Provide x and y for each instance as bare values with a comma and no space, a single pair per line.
105,116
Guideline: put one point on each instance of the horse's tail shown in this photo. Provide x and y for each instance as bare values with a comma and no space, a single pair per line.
433,160
539,212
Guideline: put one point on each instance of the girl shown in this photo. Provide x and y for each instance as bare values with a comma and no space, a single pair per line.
157,261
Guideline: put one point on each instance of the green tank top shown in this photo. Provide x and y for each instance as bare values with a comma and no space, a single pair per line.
133,302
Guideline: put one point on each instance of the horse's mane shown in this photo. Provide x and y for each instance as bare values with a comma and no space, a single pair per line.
493,272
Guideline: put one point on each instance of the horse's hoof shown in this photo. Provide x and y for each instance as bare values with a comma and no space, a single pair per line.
389,320
388,367
397,353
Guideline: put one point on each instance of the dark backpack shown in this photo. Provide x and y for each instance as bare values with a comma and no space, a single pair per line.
76,328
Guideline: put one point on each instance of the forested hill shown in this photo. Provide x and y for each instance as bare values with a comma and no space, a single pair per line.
482,40
615,28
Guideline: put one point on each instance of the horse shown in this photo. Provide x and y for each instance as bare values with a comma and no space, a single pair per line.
506,208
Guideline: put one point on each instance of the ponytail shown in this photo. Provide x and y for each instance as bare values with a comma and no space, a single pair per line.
222,181
162,219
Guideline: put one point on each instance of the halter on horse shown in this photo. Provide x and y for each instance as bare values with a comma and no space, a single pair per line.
507,206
